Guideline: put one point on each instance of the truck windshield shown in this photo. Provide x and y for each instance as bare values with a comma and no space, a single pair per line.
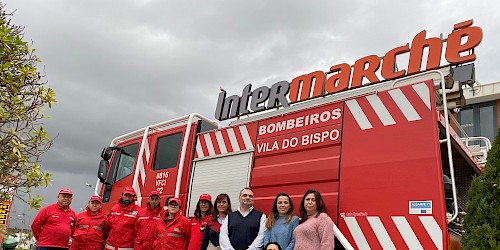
127,160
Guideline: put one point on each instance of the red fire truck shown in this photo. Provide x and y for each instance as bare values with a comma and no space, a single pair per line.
392,170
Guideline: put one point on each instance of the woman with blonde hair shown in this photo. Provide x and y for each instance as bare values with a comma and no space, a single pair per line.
281,223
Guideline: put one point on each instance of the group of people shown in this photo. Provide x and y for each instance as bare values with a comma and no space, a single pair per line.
214,226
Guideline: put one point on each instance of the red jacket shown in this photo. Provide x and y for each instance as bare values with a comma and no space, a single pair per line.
145,227
53,226
172,234
91,231
122,222
197,231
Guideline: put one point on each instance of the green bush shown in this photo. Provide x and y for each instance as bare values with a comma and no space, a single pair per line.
482,221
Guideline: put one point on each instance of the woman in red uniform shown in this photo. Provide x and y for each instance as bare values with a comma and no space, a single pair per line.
201,218
173,231
91,227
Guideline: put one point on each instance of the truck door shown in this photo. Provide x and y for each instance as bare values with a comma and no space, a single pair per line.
162,166
120,173
391,188
161,163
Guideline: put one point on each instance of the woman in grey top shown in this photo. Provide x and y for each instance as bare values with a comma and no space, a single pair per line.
281,223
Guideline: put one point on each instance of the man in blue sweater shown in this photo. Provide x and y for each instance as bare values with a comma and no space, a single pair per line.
243,229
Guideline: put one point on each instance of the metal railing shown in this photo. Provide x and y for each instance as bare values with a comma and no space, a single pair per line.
466,139
483,149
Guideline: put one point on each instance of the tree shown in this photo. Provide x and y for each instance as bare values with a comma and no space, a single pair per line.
482,221
22,99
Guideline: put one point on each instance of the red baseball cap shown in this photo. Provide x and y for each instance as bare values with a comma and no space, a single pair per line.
177,200
129,190
66,191
95,198
154,192
205,197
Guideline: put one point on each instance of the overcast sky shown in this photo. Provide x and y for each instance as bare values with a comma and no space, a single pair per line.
117,66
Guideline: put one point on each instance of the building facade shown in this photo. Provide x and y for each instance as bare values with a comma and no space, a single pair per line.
481,114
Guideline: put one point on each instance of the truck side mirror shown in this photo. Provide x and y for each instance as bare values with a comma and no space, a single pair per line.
107,153
103,168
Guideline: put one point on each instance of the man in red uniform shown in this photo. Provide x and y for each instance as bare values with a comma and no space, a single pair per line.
122,219
55,223
146,222
92,227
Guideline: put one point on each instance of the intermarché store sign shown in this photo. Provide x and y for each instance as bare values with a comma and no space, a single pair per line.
462,40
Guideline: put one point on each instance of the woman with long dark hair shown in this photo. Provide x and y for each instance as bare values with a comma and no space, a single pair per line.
281,223
202,215
315,230
221,209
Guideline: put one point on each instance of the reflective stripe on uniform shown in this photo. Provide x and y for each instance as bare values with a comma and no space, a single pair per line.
118,248
87,226
174,235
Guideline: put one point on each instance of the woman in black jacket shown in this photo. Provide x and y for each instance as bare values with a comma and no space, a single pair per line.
221,209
